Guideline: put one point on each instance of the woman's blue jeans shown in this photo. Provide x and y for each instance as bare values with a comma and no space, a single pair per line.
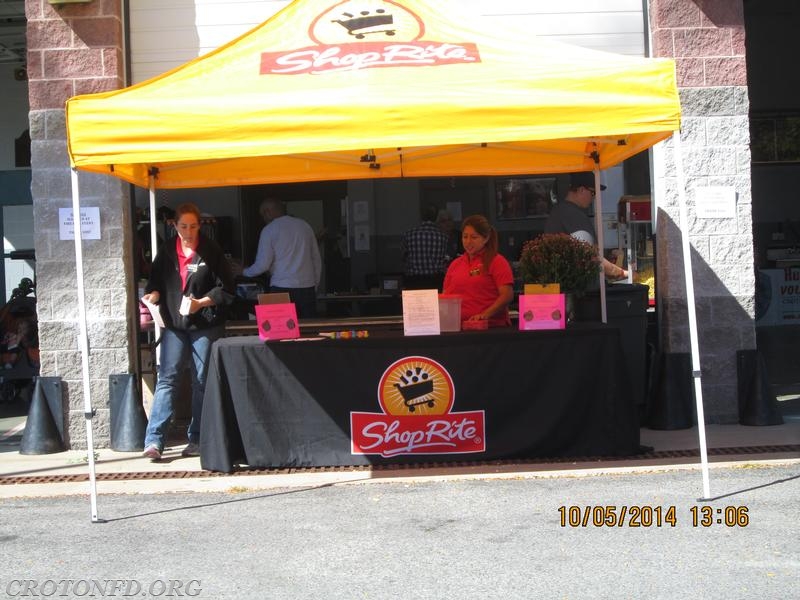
178,347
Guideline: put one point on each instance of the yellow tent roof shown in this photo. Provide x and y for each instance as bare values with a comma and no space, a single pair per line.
376,88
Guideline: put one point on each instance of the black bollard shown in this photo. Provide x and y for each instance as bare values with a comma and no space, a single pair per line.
42,433
128,420
757,402
671,402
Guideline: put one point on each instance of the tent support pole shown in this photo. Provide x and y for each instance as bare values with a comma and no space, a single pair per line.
598,227
84,343
153,249
695,346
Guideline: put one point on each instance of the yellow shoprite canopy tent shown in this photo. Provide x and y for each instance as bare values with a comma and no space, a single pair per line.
376,88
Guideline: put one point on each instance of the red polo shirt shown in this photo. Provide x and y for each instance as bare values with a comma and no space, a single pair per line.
478,289
183,262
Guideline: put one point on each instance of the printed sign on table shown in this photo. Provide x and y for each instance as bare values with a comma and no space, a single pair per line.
421,312
277,321
541,311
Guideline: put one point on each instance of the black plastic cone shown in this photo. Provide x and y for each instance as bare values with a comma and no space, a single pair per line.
41,435
671,404
758,404
128,420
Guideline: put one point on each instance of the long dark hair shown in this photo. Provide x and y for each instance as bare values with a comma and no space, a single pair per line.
482,226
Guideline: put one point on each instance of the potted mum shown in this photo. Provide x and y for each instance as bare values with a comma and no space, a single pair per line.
562,259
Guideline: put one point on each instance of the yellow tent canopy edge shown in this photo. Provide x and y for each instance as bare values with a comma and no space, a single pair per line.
416,95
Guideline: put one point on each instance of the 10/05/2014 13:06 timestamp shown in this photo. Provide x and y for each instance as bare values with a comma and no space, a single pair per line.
644,515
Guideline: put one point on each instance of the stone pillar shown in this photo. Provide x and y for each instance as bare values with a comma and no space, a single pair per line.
706,38
77,49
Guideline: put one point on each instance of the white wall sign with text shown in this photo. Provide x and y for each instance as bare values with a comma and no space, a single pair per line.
717,202
90,223
360,211
361,235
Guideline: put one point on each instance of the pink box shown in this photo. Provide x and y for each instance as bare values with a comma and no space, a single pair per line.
474,325
541,311
277,321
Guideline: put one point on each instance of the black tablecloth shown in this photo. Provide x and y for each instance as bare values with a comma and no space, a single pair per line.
542,394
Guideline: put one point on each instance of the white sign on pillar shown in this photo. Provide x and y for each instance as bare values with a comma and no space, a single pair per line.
90,223
716,202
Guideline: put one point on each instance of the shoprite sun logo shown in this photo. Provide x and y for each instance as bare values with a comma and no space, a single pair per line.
416,395
361,34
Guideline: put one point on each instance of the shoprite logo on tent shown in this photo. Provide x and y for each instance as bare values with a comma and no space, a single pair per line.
416,395
366,34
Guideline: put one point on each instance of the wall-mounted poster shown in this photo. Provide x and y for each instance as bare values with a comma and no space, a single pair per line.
360,211
361,238
525,198
90,223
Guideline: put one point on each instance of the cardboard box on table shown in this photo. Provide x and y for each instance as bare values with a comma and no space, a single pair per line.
541,288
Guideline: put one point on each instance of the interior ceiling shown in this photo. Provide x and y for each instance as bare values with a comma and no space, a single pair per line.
12,32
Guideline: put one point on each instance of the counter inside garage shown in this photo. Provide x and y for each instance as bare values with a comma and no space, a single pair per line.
388,398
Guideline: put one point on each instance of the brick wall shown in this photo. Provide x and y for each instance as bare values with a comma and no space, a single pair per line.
76,49
706,38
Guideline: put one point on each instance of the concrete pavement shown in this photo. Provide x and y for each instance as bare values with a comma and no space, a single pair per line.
483,531
466,538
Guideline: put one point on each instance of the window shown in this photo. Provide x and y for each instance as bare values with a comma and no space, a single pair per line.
775,138
525,198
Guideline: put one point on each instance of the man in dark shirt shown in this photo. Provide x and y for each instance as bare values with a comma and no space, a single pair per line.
448,226
569,216
424,250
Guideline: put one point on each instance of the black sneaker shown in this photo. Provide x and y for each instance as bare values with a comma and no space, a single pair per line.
191,449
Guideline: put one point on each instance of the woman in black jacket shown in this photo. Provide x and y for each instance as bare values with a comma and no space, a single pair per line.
192,284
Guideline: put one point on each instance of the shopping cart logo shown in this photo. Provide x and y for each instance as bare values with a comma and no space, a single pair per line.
416,395
361,34
367,24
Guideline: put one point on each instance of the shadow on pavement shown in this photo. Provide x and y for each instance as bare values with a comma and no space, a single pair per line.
224,502
750,489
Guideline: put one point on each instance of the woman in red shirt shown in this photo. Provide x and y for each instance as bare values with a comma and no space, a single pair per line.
481,276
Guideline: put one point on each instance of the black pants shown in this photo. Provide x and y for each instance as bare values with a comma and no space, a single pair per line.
305,300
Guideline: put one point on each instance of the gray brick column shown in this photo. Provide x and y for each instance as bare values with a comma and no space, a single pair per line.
77,49
707,41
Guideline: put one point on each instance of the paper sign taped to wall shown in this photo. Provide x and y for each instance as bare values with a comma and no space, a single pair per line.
715,202
90,223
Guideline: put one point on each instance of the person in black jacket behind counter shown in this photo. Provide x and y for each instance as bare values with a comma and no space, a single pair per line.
192,284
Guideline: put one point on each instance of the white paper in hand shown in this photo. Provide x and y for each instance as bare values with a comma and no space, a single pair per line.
153,308
186,304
